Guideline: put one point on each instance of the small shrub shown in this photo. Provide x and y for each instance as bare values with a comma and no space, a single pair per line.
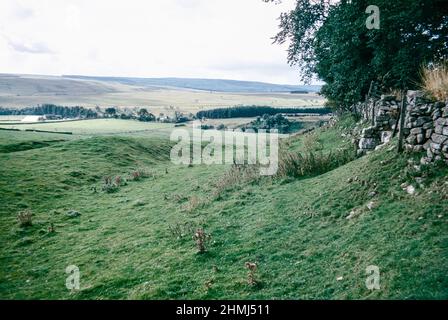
193,204
51,228
25,218
312,163
119,181
136,175
435,80
251,274
107,180
209,284
109,185
180,230
140,174
201,239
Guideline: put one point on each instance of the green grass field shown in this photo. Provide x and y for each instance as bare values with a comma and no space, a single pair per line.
96,127
136,243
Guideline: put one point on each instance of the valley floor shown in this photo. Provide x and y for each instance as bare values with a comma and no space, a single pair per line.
136,243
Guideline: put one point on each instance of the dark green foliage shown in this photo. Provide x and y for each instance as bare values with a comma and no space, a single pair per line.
207,127
54,110
267,122
221,127
330,39
145,116
111,111
256,111
313,163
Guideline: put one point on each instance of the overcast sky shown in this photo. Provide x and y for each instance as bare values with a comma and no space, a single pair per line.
144,38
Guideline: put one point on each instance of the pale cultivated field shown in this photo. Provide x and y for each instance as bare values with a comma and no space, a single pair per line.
11,118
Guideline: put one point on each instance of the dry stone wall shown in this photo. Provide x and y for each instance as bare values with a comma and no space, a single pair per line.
425,126
386,112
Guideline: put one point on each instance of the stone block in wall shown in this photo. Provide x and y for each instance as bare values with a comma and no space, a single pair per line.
445,112
438,129
420,138
416,97
425,109
438,138
428,125
435,147
439,105
421,121
409,147
387,98
418,148
386,136
436,114
445,131
368,143
441,122
416,131
412,139
429,133
369,132
382,118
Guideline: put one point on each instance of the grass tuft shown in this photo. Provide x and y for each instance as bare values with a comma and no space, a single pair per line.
435,80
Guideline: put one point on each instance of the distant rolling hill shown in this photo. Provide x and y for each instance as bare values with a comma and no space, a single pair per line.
218,85
161,95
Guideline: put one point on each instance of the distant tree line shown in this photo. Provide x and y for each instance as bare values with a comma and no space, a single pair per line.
51,109
256,111
269,122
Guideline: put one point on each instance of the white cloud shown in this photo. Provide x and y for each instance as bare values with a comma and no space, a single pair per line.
144,38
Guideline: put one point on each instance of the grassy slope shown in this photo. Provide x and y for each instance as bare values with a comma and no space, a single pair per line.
296,230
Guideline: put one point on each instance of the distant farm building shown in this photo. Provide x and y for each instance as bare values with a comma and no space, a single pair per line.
53,117
34,119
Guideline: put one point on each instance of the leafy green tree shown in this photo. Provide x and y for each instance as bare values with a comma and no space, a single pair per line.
145,116
111,111
330,40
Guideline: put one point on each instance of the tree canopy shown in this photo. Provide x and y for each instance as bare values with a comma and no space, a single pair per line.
330,40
